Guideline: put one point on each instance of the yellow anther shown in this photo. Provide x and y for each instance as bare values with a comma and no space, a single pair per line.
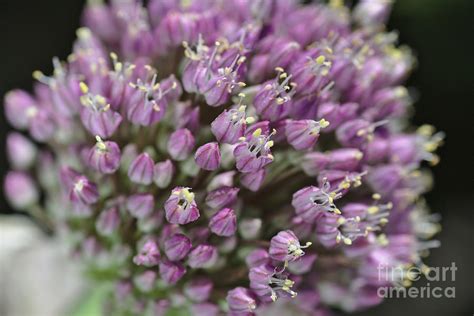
323,123
434,160
249,120
270,144
382,240
426,130
100,143
257,132
241,95
113,56
358,155
341,220
189,196
345,185
84,87
273,296
279,69
337,211
83,32
383,221
37,75
376,196
100,99
347,241
401,92
336,3
320,60
280,101
289,282
430,146
373,209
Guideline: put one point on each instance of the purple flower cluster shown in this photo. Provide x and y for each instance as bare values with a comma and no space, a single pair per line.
190,147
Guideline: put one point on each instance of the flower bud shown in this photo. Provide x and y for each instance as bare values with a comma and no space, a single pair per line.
302,265
222,197
346,159
203,256
20,150
205,309
18,104
337,113
149,254
145,281
161,307
141,169
199,290
372,12
20,190
140,205
108,221
249,228
241,301
177,27
163,173
208,156
223,223
171,272
253,180
257,258
180,144
177,247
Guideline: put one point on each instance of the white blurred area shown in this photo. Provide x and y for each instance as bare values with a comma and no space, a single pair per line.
37,277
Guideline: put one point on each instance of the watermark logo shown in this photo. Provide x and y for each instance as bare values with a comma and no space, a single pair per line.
401,278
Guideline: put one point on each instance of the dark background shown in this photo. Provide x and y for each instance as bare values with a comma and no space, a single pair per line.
440,32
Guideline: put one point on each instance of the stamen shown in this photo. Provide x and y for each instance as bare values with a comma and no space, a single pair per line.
100,145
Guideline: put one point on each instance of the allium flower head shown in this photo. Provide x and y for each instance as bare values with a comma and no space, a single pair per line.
225,156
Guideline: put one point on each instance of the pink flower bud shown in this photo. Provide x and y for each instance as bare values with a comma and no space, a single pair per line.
224,222
208,156
141,169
